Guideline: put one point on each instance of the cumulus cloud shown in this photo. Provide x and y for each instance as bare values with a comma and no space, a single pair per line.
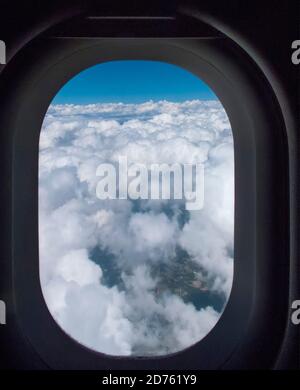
144,277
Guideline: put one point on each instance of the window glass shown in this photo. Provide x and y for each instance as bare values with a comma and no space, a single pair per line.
136,208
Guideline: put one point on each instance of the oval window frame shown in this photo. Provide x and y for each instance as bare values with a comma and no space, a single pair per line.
231,76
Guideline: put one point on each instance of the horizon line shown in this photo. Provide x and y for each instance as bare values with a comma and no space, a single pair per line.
134,103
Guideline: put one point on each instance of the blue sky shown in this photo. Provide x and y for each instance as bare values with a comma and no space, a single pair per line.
133,82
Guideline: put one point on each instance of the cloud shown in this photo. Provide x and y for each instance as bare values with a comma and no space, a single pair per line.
143,228
119,276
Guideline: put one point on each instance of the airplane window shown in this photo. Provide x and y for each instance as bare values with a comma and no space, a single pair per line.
136,208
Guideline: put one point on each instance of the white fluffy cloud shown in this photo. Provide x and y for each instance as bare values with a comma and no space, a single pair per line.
102,262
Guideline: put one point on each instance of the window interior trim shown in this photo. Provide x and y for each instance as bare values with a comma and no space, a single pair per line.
261,199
